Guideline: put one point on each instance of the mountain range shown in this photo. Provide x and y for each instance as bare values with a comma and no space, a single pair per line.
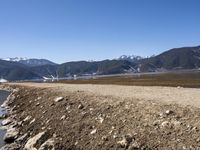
28,69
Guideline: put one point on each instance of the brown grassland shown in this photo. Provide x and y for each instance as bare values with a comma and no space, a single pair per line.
189,79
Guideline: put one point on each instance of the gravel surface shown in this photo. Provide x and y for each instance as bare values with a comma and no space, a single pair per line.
79,117
184,96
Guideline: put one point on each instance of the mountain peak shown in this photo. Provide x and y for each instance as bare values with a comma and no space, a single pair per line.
30,62
16,59
131,58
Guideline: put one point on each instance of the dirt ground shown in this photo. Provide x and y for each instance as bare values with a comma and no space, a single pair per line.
110,116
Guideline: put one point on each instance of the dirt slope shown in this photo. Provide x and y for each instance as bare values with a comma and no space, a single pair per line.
108,117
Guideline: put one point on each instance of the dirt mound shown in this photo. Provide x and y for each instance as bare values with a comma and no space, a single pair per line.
82,120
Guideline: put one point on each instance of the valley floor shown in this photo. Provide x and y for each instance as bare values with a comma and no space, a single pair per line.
85,116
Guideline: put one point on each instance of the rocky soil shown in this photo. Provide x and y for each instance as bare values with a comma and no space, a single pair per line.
47,117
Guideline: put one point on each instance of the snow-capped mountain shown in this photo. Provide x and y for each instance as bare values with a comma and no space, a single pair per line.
30,62
16,59
131,58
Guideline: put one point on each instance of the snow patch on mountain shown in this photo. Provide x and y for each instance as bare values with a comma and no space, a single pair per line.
130,57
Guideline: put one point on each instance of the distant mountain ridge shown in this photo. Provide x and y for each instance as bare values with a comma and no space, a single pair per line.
173,59
176,58
30,62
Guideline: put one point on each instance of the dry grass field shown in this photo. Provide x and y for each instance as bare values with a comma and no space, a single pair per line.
183,78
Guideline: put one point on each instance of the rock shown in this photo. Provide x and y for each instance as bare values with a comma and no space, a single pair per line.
166,124
30,145
115,136
101,119
27,118
37,104
22,138
13,146
125,142
6,122
32,121
80,106
44,112
168,112
11,135
63,117
156,123
104,138
135,145
93,131
48,145
162,115
68,107
176,124
58,99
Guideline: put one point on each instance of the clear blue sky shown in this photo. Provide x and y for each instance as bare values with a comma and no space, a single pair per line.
66,30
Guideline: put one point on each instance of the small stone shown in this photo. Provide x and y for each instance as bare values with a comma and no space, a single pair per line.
6,122
58,99
27,118
54,135
32,121
13,146
93,131
30,145
11,135
44,112
134,145
101,119
47,121
115,136
68,107
176,124
22,138
63,117
105,138
168,112
49,144
162,115
127,139
165,124
155,123
80,106
37,104
52,104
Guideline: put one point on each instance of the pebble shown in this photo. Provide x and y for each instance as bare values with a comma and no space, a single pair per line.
32,121
166,124
58,99
80,106
6,122
93,131
126,140
27,118
63,117
168,112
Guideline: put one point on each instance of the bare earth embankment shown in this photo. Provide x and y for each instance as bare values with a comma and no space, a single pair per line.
66,117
